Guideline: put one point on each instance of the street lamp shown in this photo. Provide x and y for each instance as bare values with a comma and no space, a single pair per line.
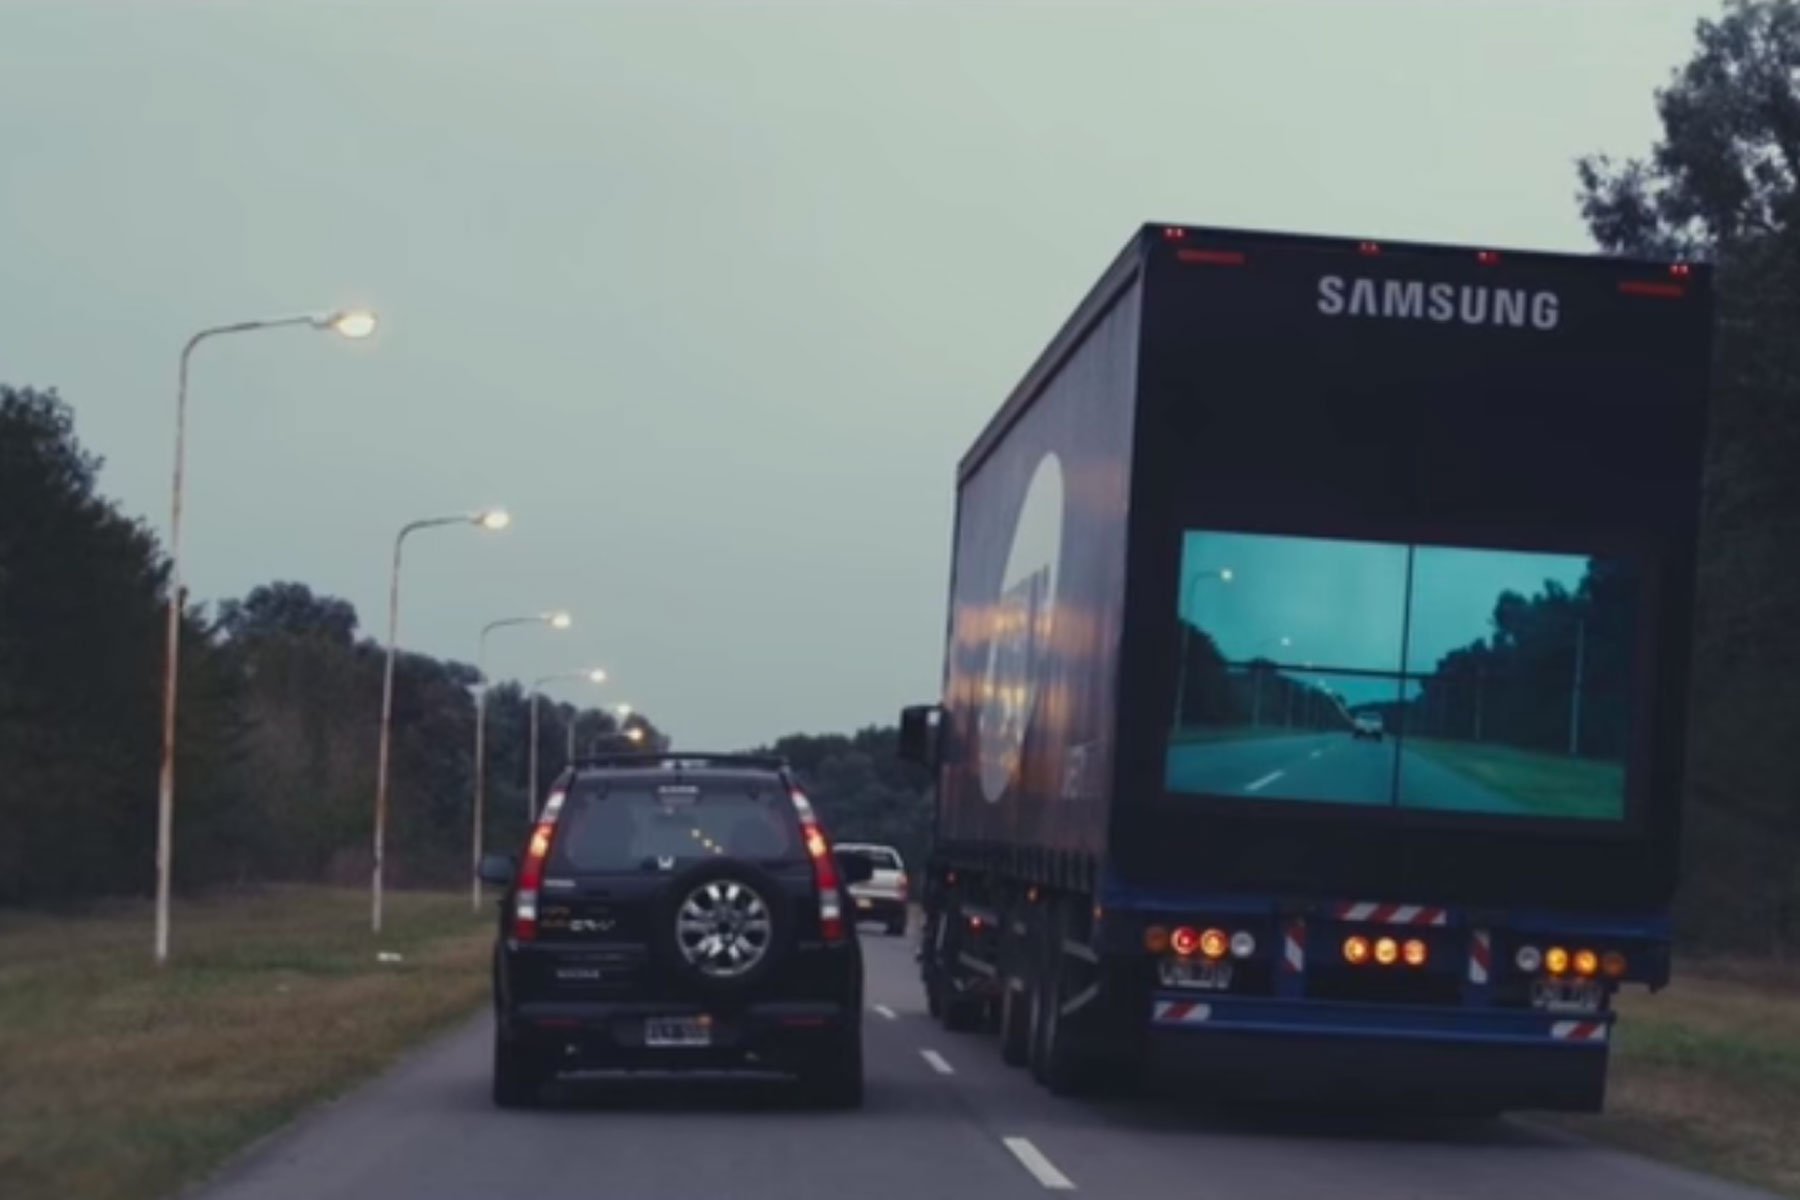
491,519
1221,575
596,675
355,324
555,620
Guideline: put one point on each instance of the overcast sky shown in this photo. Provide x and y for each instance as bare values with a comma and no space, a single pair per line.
1342,604
711,297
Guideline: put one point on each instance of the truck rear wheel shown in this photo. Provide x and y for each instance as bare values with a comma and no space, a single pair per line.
1056,1058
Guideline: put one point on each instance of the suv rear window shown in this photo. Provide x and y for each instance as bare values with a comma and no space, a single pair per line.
639,827
885,860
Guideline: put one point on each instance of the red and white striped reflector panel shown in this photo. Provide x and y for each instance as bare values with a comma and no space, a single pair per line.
1182,1012
1481,956
1376,913
1293,948
1579,1031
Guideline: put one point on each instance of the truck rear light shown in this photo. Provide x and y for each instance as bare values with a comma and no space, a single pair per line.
1387,951
1587,963
825,872
1655,288
1156,939
1680,270
1528,959
1369,249
1556,960
1243,944
1356,950
1415,952
531,872
1488,258
900,890
1214,944
1185,941
1613,964
1211,258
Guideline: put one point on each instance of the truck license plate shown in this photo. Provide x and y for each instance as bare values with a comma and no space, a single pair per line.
1185,972
677,1031
1566,995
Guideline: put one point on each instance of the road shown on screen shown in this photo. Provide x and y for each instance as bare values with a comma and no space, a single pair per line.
1333,768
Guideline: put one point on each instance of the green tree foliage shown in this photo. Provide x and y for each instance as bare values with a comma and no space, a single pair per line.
1723,184
280,700
861,789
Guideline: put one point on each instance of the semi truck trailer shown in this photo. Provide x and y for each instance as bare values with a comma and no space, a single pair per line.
1264,493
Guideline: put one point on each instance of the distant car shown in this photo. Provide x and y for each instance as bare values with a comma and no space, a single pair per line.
1367,725
677,912
883,897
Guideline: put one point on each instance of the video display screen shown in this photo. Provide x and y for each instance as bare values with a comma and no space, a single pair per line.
1409,676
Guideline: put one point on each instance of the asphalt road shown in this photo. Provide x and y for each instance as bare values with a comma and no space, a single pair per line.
944,1119
1329,767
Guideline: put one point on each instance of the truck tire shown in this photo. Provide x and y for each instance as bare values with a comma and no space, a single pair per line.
1056,1058
1015,1024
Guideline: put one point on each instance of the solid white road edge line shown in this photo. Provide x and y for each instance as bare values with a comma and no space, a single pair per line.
937,1062
887,1012
1041,1168
1257,785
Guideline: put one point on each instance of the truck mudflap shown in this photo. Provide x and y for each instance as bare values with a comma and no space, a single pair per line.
1449,1060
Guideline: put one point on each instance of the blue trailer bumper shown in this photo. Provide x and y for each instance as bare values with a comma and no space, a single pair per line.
1469,1059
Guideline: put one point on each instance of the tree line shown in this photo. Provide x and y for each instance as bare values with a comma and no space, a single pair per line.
275,761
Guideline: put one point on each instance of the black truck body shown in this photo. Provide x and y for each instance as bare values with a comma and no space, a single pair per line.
1320,590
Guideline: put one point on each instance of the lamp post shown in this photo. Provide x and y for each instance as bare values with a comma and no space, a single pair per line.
492,519
351,324
555,620
1222,575
1256,679
595,675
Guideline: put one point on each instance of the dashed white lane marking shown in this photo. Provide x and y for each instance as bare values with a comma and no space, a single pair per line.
1041,1168
1315,754
887,1012
937,1062
1257,785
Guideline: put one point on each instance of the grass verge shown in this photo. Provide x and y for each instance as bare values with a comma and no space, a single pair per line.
121,1080
1707,1074
1545,783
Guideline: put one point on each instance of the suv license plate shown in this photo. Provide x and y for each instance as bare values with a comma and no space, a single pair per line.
677,1031
1566,995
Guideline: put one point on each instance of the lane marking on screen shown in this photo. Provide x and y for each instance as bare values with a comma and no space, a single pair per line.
937,1062
1041,1168
1315,754
1257,785
887,1012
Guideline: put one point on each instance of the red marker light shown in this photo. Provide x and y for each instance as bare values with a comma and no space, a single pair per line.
1185,941
1172,234
1680,270
1211,258
1369,248
1488,258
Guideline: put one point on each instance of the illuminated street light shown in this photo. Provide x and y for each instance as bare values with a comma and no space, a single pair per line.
483,519
593,675
165,785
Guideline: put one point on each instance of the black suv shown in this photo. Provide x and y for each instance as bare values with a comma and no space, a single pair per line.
677,911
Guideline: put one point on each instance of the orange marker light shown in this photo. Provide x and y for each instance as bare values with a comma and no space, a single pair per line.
1214,944
1613,963
1586,963
1387,951
1414,952
1556,960
1156,939
1356,950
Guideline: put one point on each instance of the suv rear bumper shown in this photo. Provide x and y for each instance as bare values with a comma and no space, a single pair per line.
609,1036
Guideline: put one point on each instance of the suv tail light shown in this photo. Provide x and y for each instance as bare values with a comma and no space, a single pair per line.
825,872
531,873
